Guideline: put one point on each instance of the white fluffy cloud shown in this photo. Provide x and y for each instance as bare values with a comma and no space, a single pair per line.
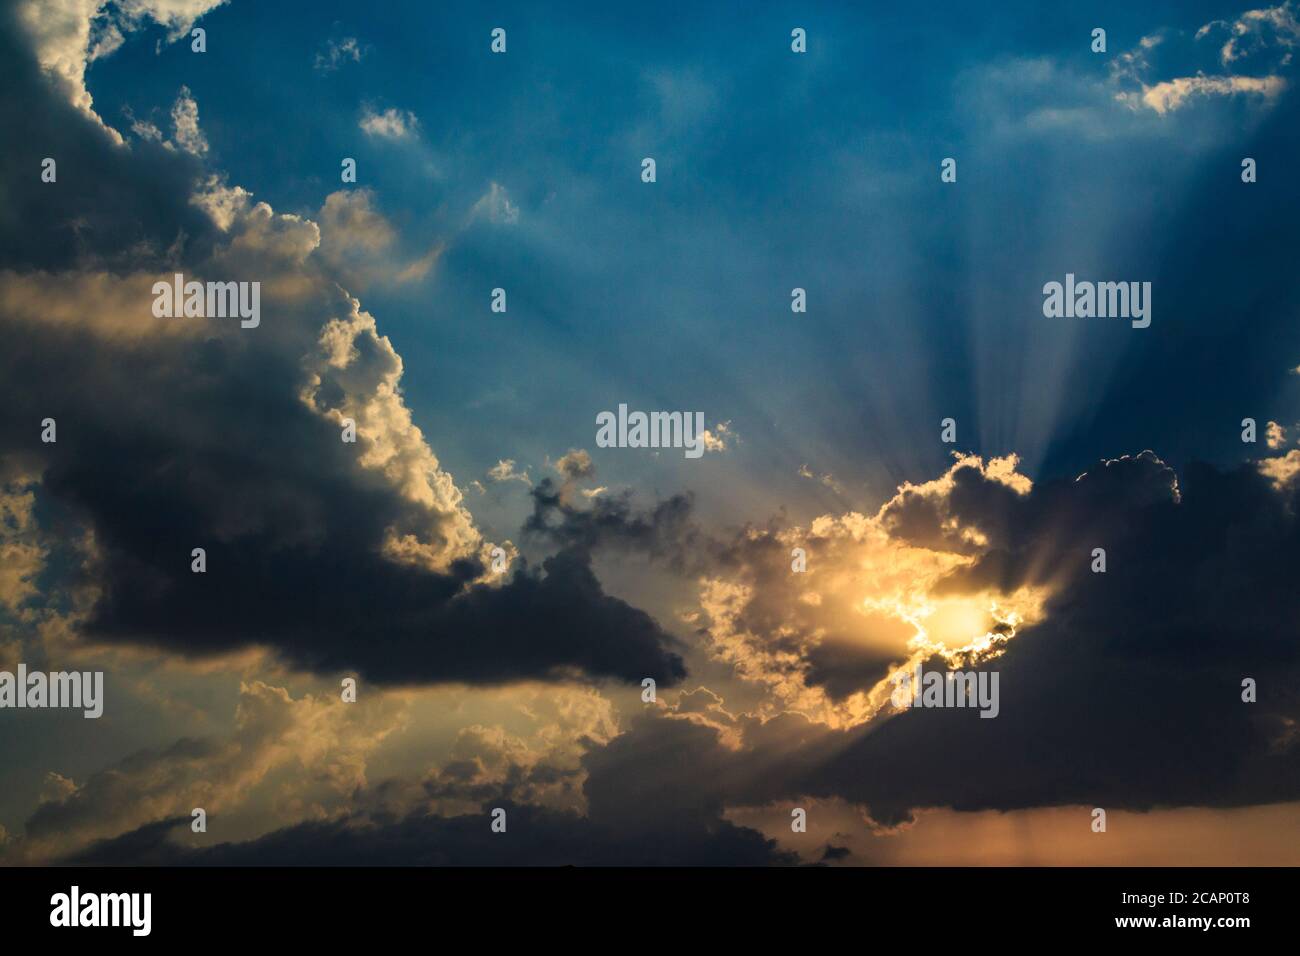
391,123
360,371
68,34
1171,94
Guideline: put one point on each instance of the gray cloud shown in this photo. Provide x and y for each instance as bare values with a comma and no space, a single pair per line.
182,433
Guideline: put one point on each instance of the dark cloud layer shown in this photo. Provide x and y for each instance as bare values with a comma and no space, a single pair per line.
109,205
535,837
172,440
1127,694
667,531
643,810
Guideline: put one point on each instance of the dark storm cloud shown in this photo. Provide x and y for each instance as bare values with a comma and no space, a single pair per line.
111,205
292,532
534,836
666,531
236,465
171,439
648,804
106,794
1127,694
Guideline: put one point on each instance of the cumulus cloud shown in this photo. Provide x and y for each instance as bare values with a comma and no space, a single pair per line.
391,123
982,569
1137,668
111,219
1125,674
665,532
278,501
196,433
351,226
68,34
504,470
1169,95
576,464
719,438
821,638
1256,51
361,245
315,749
1282,470
1255,31
290,758
674,816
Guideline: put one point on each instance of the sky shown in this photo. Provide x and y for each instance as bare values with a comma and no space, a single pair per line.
915,471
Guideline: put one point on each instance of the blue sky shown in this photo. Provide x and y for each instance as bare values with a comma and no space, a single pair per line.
775,171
